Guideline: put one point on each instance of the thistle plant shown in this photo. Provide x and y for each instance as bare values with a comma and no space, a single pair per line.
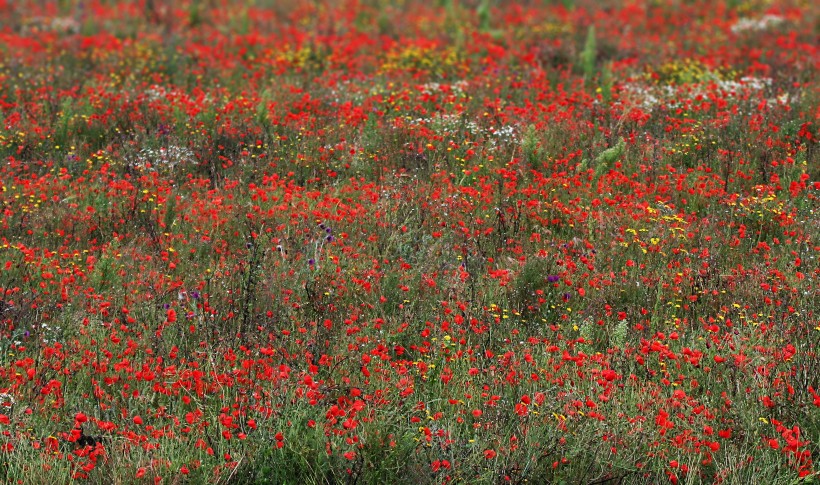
588,55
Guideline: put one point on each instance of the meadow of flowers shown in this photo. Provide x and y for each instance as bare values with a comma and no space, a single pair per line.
372,241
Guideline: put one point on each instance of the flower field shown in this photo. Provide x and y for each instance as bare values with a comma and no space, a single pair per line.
372,241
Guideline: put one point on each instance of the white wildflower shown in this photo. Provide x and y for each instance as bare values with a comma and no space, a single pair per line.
756,25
